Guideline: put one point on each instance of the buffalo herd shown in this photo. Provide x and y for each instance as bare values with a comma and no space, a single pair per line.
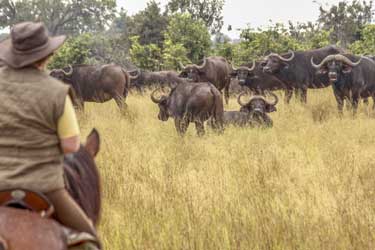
195,94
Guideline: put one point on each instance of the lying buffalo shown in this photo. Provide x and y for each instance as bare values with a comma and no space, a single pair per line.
252,76
191,102
96,83
252,113
294,69
215,69
352,77
146,79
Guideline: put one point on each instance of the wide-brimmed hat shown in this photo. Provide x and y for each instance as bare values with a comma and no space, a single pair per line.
28,43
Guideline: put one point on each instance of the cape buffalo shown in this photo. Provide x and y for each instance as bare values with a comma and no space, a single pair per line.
191,102
352,77
252,76
252,113
96,83
161,78
294,69
215,69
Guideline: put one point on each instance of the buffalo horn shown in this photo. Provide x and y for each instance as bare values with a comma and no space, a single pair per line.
245,68
252,67
203,65
282,58
327,59
181,65
287,59
347,61
240,101
234,68
337,57
276,99
153,98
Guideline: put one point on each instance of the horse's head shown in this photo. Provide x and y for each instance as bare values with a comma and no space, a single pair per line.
82,176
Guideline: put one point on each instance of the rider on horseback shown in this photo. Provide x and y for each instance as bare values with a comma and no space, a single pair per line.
38,124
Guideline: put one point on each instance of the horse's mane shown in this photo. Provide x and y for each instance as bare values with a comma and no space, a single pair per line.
83,183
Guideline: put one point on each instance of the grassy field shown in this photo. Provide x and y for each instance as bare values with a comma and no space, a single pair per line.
307,183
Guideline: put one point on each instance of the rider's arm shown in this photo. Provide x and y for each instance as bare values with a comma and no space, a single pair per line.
68,129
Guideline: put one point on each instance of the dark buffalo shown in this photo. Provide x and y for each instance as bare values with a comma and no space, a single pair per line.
96,83
146,79
295,70
191,102
215,69
352,77
252,76
252,113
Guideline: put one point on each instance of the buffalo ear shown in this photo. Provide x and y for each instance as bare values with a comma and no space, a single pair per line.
164,101
270,108
347,69
286,65
234,73
93,143
183,74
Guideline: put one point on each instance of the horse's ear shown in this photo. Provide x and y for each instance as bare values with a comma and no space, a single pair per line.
93,143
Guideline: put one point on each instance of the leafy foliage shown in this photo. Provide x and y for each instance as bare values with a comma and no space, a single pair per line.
61,17
148,25
346,20
209,11
74,51
155,39
145,56
173,54
366,45
191,34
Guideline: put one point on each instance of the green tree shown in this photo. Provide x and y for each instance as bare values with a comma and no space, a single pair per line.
145,56
309,35
258,43
173,54
223,46
61,17
209,11
366,45
75,51
191,34
345,20
148,25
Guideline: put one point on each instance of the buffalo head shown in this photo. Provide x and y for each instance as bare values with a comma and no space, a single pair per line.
163,103
62,74
258,104
243,73
193,72
258,107
335,66
274,63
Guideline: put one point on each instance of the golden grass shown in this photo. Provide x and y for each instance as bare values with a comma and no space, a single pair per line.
307,183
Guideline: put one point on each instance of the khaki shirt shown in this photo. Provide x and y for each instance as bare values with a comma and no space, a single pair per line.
31,103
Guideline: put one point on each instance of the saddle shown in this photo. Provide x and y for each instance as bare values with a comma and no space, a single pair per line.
38,203
28,200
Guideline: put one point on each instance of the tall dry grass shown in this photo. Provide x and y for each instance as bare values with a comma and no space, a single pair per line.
307,183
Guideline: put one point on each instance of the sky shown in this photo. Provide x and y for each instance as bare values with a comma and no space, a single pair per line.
257,13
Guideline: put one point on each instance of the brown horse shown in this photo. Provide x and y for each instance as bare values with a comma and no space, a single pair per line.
21,229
